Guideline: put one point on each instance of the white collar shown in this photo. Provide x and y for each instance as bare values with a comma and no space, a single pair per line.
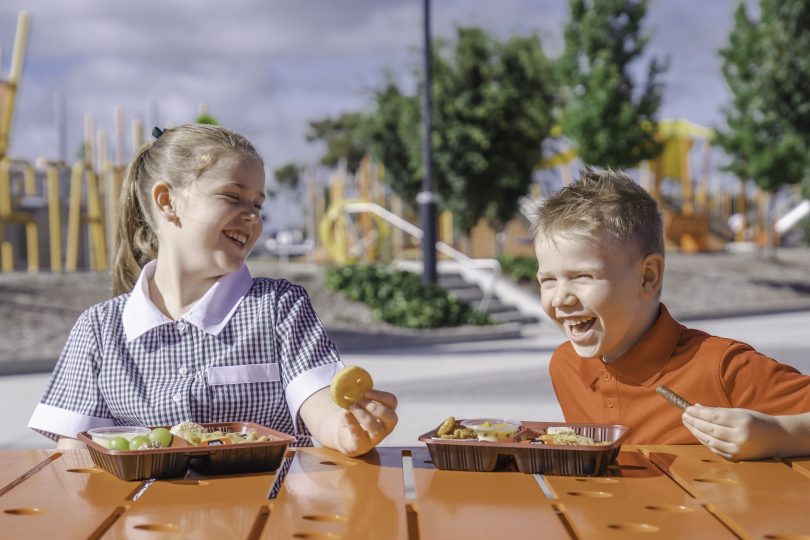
211,312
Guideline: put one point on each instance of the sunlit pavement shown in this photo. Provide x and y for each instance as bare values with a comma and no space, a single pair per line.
506,378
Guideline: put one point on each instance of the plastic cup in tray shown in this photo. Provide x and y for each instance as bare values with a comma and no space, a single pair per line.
175,460
528,456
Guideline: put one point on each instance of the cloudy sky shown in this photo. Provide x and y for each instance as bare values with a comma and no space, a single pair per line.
266,67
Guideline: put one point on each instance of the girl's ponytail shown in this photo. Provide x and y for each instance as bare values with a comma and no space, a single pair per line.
136,242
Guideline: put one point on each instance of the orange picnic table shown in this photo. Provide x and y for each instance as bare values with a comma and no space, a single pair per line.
397,493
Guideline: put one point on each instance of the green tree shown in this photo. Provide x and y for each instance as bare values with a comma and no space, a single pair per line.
206,118
767,125
289,175
492,109
343,137
610,120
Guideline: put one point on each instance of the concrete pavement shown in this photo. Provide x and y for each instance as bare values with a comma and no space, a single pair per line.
507,378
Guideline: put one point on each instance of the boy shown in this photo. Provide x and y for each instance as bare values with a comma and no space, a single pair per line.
600,248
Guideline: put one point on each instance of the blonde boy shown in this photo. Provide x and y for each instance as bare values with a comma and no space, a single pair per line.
600,248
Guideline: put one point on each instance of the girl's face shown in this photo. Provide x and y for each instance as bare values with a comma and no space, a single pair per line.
596,294
218,218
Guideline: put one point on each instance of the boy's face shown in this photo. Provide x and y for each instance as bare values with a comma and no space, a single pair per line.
599,295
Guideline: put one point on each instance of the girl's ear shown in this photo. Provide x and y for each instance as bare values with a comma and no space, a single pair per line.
652,274
162,199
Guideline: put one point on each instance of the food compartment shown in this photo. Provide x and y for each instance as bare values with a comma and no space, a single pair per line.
573,449
175,460
528,456
471,454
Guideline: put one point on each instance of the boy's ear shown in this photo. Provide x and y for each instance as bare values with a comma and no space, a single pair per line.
652,273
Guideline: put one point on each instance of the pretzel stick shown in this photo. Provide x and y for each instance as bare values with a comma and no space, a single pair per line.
673,398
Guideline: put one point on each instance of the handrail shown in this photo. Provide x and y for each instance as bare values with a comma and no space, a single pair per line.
409,228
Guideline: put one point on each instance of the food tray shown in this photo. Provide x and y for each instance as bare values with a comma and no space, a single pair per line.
174,461
482,456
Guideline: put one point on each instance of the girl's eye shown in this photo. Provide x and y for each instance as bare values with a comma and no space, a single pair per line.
257,206
232,196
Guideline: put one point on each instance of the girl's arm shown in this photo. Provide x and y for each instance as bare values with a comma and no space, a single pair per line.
746,434
66,443
354,431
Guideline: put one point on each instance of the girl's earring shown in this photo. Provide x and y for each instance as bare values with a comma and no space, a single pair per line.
172,215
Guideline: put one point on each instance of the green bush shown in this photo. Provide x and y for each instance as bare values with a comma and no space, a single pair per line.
519,268
399,298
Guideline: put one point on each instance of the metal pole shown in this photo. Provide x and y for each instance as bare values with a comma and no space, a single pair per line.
427,197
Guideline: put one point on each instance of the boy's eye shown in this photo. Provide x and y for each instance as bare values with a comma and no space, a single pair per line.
582,277
547,281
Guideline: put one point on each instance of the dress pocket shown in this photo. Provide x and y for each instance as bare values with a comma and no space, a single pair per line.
247,373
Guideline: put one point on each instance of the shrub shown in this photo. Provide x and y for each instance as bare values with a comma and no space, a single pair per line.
400,298
520,268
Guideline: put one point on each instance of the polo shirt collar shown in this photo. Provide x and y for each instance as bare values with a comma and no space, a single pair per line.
645,361
211,312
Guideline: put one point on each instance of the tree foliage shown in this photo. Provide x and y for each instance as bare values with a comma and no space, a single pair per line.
492,106
289,175
206,118
343,137
611,121
766,65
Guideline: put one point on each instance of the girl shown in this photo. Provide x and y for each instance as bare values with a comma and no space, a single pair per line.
192,336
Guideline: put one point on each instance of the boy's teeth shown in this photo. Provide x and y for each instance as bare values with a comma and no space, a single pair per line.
575,322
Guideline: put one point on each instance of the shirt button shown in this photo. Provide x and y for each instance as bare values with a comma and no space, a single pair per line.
183,370
181,326
606,376
609,402
177,398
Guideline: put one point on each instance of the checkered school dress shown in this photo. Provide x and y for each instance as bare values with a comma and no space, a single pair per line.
256,363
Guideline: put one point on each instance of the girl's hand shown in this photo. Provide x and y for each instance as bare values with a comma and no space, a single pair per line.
353,431
736,433
367,422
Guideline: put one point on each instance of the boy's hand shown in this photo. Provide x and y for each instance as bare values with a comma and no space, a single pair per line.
735,433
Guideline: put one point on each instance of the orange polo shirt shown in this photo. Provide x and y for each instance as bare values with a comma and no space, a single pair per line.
705,369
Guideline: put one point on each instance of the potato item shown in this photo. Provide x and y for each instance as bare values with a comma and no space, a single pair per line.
349,385
565,436
673,398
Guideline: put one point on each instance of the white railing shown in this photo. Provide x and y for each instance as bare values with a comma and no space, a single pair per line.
467,264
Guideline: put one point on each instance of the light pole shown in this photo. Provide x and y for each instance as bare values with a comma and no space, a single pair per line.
427,197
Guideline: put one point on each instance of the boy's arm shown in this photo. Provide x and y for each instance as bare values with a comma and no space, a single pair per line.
746,434
353,431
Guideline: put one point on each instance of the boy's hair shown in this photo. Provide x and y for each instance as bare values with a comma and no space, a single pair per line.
602,205
179,156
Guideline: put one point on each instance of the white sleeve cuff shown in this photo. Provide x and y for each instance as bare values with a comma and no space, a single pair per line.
62,422
306,384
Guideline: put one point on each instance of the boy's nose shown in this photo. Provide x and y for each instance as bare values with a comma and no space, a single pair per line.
250,216
563,297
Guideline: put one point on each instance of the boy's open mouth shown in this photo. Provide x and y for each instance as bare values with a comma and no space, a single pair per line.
237,238
579,326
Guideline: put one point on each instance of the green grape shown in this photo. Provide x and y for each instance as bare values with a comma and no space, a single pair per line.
137,442
162,436
118,443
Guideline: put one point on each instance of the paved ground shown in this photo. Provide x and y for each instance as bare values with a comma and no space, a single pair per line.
489,378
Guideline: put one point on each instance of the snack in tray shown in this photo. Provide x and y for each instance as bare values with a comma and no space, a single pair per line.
492,429
190,431
451,429
349,385
566,436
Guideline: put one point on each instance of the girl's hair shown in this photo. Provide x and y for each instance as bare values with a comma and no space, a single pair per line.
603,205
178,157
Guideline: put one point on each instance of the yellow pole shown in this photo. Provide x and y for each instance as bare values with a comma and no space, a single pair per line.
54,212
95,223
74,217
18,54
687,203
31,229
6,250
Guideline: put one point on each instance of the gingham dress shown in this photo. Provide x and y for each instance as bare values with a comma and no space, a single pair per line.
176,371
